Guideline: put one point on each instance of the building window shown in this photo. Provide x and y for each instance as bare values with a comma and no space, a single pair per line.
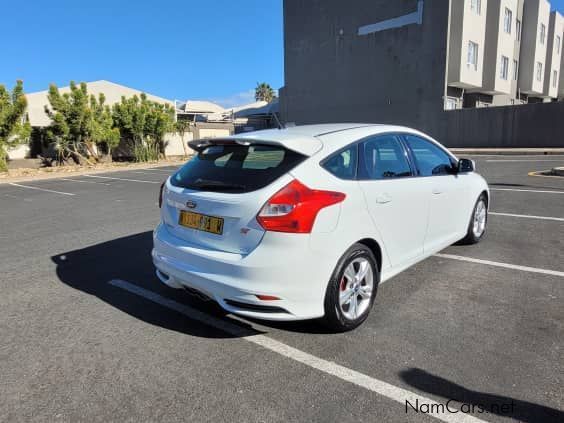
504,71
542,33
558,42
515,70
554,78
476,6
539,71
507,20
472,55
451,103
518,29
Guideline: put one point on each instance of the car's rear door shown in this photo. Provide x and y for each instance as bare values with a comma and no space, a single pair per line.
397,204
446,190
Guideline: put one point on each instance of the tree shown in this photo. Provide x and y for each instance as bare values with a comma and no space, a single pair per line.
80,124
70,121
264,92
102,125
181,126
142,125
13,128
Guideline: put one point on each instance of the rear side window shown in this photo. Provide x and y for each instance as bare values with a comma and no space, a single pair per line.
383,157
236,168
429,159
343,163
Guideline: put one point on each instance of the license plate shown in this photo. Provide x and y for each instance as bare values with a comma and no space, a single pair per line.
201,222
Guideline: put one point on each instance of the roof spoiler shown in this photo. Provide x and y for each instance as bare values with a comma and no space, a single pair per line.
202,144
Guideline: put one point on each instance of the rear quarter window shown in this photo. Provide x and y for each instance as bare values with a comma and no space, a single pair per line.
236,168
342,164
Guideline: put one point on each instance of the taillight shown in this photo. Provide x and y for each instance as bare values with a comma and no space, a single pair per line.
295,207
161,194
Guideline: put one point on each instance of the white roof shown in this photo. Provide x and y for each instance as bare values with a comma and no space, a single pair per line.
113,92
201,106
309,139
258,108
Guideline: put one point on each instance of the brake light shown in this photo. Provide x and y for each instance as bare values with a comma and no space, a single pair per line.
161,194
295,207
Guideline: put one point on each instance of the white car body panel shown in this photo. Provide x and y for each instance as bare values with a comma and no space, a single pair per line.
423,216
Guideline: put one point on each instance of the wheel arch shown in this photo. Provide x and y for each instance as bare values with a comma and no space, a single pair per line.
373,245
487,195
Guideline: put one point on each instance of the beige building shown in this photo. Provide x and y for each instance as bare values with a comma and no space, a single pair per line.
37,101
501,70
503,52
536,14
561,85
113,93
467,44
553,55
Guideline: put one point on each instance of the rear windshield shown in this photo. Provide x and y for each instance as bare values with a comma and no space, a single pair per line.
236,168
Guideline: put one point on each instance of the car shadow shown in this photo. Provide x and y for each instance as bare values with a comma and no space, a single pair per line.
523,411
128,259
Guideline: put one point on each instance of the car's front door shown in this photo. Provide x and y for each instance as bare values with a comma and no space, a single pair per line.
397,205
437,176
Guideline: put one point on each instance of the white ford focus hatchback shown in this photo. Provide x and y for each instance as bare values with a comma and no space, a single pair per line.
305,222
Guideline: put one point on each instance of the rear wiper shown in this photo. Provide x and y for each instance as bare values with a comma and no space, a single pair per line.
207,183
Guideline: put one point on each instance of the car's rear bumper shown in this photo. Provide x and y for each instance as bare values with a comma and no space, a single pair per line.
282,265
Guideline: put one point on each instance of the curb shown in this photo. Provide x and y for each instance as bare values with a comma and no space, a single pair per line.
558,171
79,171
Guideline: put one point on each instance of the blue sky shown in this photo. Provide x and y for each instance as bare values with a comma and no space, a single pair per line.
213,49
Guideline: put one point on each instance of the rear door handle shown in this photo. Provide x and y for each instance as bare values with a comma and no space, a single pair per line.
437,191
383,199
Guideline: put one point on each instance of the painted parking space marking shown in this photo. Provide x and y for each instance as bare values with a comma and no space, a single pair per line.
142,172
527,216
41,189
84,182
524,160
526,190
160,170
377,386
123,179
504,265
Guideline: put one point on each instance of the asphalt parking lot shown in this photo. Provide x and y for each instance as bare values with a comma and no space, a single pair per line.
89,334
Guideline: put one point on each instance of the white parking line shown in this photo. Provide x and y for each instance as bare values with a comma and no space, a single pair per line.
41,189
524,161
84,182
526,190
123,179
359,379
505,265
161,170
142,172
527,216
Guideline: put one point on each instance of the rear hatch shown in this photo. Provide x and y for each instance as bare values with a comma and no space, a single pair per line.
213,200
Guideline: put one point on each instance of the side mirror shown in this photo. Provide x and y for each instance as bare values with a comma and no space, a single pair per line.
466,166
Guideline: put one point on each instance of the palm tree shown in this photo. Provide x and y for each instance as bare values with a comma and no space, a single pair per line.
264,92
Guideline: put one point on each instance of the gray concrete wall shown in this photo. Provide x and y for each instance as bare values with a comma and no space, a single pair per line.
529,125
394,76
333,74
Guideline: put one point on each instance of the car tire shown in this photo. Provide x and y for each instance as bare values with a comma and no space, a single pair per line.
340,315
478,222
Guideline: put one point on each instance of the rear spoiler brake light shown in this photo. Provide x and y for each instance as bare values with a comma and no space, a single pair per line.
201,145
